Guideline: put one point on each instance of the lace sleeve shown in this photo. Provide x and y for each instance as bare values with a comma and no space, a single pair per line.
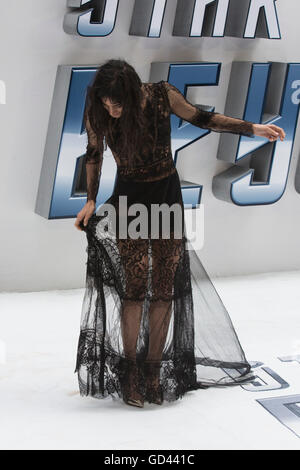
206,119
93,161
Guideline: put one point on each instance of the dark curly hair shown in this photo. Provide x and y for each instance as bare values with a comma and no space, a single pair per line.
118,81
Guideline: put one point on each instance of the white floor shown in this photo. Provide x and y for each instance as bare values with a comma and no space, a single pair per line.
41,408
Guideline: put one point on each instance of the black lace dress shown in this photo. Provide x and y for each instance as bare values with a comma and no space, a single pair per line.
152,321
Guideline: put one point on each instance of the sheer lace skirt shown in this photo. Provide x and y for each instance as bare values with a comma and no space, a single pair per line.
152,322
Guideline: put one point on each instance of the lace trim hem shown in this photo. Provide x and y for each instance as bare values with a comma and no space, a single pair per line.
102,372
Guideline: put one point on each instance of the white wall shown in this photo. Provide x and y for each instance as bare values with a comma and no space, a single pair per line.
39,254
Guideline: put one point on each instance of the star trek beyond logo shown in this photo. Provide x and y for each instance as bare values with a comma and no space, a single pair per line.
285,408
256,170
261,92
193,18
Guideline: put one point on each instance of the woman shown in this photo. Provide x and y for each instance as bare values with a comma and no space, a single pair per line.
153,326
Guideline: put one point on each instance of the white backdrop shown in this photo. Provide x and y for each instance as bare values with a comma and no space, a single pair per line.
39,254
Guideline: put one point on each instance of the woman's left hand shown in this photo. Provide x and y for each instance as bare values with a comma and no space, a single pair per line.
270,131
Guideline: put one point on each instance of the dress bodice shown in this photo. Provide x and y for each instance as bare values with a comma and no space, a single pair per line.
155,162
161,99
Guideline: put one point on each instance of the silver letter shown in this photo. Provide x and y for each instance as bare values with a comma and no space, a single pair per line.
79,22
147,18
285,409
255,20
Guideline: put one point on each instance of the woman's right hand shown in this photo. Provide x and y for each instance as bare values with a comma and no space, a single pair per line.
85,214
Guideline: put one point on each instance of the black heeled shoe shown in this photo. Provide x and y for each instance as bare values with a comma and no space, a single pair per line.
154,390
131,396
133,402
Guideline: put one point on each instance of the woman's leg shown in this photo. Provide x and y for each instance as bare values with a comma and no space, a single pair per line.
134,265
165,259
134,261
